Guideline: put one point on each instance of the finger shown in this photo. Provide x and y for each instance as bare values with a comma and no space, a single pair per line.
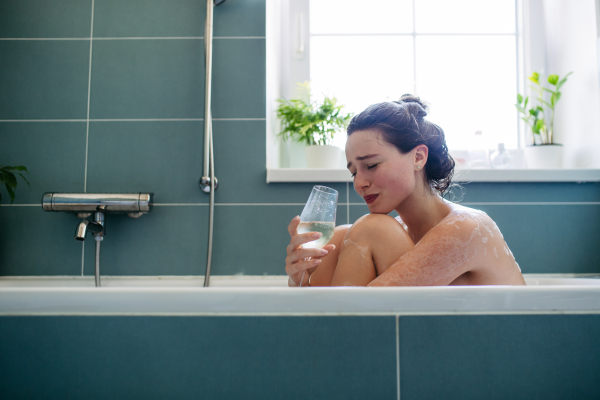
329,247
301,254
293,225
298,267
302,238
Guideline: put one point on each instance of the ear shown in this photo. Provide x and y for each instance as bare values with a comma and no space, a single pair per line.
421,154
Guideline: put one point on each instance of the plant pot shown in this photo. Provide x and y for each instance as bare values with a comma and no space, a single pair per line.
544,156
323,156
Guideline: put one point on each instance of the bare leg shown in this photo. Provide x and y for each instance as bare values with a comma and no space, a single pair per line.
324,273
370,246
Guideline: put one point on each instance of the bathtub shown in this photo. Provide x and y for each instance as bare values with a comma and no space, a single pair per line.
253,337
269,295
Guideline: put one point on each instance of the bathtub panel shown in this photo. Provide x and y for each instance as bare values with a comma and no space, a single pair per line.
44,79
240,167
500,357
184,18
52,152
43,19
167,241
36,242
202,357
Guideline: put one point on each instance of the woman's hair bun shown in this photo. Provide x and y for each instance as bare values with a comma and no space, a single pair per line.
420,111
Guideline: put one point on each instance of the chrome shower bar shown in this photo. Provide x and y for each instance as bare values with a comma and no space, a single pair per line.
206,182
92,202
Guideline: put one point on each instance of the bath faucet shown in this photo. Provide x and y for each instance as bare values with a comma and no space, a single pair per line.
85,204
96,226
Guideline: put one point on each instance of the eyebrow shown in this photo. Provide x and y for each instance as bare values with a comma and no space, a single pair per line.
362,158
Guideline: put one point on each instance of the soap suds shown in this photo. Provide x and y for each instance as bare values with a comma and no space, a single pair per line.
363,250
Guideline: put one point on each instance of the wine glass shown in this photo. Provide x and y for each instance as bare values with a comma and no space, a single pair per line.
319,216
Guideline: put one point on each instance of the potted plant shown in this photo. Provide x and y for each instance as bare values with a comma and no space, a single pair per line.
9,180
315,124
542,152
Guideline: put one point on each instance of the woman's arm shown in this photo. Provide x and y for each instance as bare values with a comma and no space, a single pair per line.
449,250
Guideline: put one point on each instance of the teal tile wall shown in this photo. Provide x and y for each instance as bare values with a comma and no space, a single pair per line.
143,131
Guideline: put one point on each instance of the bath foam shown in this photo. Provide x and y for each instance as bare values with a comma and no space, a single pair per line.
363,250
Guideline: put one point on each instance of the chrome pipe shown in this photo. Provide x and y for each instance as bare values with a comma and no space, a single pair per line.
98,240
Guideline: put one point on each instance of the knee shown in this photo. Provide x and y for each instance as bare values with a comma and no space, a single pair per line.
373,226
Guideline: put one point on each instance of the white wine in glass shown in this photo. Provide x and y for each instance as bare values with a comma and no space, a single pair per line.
319,216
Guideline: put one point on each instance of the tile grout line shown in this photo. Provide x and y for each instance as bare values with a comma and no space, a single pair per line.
87,130
140,38
398,355
350,204
130,119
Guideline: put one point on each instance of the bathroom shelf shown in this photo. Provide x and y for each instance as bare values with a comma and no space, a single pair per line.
461,175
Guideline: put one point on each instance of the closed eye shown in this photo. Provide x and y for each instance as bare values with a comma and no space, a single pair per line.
372,166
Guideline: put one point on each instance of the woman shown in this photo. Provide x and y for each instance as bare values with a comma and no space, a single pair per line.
400,161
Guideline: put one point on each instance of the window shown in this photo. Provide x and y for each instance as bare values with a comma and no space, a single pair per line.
459,55
467,58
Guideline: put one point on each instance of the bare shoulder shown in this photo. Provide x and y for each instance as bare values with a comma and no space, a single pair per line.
489,256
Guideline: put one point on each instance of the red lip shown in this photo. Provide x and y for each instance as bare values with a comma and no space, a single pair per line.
370,198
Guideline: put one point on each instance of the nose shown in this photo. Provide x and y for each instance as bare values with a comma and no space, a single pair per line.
360,181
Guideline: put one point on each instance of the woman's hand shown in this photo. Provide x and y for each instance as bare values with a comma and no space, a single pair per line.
296,261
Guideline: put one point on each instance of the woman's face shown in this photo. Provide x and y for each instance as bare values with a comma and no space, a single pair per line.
383,176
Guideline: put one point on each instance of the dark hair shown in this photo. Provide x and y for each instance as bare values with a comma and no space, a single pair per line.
402,124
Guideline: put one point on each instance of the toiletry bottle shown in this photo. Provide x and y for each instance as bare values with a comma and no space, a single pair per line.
479,156
501,159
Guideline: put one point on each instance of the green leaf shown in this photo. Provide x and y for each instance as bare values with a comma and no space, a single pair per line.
11,193
9,179
24,178
534,77
553,100
552,79
519,98
563,80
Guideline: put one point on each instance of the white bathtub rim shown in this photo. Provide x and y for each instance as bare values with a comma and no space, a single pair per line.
26,298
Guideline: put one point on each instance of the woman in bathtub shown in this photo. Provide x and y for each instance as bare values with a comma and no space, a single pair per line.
400,161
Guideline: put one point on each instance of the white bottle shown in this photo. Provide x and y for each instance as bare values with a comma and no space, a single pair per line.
501,159
479,155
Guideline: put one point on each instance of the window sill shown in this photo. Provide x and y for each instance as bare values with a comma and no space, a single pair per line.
462,175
